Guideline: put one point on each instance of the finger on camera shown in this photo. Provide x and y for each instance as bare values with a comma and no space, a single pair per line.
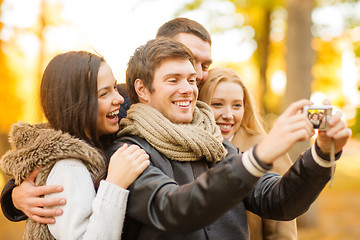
336,128
300,122
326,102
292,121
335,118
297,106
343,133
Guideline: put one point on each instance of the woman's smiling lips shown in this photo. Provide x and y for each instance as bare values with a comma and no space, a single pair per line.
113,115
225,127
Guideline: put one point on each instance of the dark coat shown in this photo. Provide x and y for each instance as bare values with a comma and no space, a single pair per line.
201,200
263,228
126,104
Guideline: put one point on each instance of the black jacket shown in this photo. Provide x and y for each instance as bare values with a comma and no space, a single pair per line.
200,200
7,206
126,104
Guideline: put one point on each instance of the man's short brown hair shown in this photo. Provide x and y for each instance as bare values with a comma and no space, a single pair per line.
183,25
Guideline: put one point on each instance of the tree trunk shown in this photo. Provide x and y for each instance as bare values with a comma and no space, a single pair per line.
299,60
299,56
263,56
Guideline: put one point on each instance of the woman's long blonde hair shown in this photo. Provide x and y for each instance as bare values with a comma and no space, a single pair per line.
251,121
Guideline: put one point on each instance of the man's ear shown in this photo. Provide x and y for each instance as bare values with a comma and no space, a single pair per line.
142,92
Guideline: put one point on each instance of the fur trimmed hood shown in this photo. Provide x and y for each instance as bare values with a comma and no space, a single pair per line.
38,145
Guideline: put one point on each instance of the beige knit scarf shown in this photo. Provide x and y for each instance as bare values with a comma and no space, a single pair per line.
180,142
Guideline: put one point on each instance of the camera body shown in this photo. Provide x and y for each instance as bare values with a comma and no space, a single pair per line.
318,115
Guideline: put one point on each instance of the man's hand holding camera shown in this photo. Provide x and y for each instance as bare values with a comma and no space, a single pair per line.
291,127
294,125
333,128
337,130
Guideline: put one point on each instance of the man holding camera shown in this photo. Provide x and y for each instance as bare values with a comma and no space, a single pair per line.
198,185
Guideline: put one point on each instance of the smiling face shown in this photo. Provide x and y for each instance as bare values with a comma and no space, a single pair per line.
174,90
315,116
202,54
109,101
227,104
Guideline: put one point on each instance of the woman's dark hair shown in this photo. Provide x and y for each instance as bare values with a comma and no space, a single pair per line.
69,94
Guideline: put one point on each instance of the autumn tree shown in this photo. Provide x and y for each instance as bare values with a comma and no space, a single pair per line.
10,105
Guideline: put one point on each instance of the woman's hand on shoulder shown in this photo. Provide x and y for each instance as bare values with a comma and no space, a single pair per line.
126,164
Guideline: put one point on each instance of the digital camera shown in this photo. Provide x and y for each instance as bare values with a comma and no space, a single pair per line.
318,115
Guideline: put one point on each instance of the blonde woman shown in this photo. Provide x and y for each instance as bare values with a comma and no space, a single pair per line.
239,122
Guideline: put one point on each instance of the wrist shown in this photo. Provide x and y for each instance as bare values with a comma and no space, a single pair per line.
325,155
262,155
117,182
13,199
252,163
7,204
264,164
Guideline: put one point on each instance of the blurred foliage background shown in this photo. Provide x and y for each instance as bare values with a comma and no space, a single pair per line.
284,50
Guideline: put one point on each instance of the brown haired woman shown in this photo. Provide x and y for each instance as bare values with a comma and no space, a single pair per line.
80,101
239,122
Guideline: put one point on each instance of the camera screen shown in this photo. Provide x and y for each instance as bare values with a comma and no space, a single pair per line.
318,118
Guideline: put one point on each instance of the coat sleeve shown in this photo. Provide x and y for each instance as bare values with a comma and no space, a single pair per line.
87,214
263,228
159,201
7,205
285,198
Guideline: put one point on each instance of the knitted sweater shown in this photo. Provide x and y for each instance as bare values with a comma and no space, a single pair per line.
70,162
